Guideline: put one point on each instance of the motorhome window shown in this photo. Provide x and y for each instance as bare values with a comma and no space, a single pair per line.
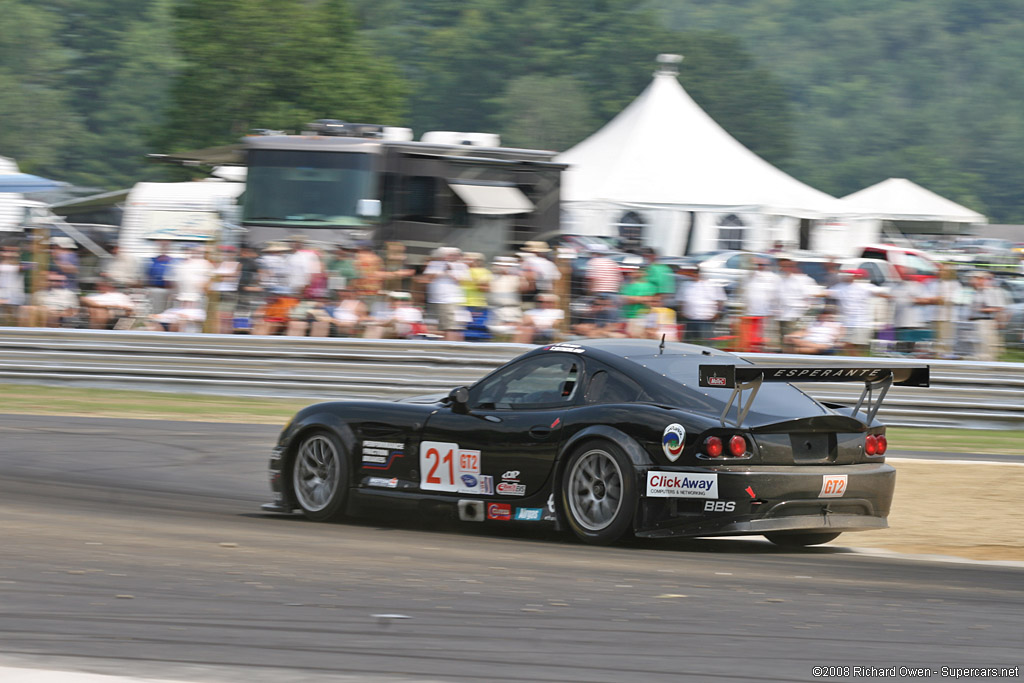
420,199
315,189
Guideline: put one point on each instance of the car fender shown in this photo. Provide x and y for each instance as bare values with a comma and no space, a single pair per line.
636,454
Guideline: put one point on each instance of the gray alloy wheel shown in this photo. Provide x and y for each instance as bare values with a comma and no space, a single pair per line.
320,476
598,493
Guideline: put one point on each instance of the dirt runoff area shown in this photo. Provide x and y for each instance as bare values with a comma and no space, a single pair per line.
950,508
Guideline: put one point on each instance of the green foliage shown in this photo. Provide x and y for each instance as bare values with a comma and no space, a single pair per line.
544,112
923,89
272,64
34,107
469,69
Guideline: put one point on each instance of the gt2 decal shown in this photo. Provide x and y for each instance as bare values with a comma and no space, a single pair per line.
446,467
833,486
719,506
379,455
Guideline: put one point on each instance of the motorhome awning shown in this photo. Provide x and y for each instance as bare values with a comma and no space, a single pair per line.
492,200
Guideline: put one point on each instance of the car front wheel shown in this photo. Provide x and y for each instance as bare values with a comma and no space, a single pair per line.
599,493
320,476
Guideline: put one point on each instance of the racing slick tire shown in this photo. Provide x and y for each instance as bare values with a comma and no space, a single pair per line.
320,476
798,539
598,493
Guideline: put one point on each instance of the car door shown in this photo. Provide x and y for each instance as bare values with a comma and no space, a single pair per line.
504,440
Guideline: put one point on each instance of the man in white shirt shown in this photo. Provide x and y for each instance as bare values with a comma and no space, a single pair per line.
760,307
987,305
911,298
854,295
107,305
444,276
192,276
541,325
540,272
796,292
303,264
703,302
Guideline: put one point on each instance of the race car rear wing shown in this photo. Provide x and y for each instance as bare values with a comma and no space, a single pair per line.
743,377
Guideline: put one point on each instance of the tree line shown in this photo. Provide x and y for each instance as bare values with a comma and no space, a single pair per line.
839,94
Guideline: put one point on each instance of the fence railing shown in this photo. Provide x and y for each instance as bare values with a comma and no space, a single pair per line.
963,394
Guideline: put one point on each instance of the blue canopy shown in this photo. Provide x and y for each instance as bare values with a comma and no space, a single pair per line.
26,183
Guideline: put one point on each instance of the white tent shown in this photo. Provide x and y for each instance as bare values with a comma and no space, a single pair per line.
898,199
664,159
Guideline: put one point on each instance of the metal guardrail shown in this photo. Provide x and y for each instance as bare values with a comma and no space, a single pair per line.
963,394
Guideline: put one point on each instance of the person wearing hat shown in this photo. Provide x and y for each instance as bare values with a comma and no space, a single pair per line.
64,260
341,268
539,272
274,269
54,306
401,319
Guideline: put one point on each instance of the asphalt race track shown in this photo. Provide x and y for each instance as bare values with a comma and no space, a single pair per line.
137,547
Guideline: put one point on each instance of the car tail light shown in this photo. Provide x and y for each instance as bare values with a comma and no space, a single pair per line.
737,446
713,446
871,444
881,444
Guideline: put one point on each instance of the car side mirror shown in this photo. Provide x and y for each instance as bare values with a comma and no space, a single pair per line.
459,397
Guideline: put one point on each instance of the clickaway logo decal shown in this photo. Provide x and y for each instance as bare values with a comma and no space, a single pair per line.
682,485
672,441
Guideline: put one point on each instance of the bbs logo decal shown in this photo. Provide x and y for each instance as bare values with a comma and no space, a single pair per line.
672,441
719,506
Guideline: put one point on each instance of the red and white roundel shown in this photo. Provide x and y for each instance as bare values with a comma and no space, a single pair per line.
673,440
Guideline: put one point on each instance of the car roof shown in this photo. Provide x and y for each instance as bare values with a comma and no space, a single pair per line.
669,377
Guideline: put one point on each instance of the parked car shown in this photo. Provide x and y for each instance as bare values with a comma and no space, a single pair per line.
907,261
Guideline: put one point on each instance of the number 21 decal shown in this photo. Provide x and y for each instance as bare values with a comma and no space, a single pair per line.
446,467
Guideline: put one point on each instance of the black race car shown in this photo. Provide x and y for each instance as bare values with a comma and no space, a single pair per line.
609,438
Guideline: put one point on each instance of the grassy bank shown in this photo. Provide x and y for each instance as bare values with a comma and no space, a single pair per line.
39,400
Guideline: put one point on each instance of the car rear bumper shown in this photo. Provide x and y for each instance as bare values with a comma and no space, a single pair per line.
756,500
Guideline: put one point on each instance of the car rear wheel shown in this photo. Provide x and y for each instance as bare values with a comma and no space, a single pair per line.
599,493
797,539
320,476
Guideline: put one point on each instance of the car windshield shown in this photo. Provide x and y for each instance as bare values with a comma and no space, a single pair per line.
302,188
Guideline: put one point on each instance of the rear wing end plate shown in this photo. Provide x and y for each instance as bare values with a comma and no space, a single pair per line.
740,378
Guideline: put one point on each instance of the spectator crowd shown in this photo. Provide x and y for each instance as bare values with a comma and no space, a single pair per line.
301,288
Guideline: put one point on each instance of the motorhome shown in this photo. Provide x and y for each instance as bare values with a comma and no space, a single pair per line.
341,181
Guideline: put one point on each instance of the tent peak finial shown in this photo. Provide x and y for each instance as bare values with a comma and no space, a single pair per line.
669,63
